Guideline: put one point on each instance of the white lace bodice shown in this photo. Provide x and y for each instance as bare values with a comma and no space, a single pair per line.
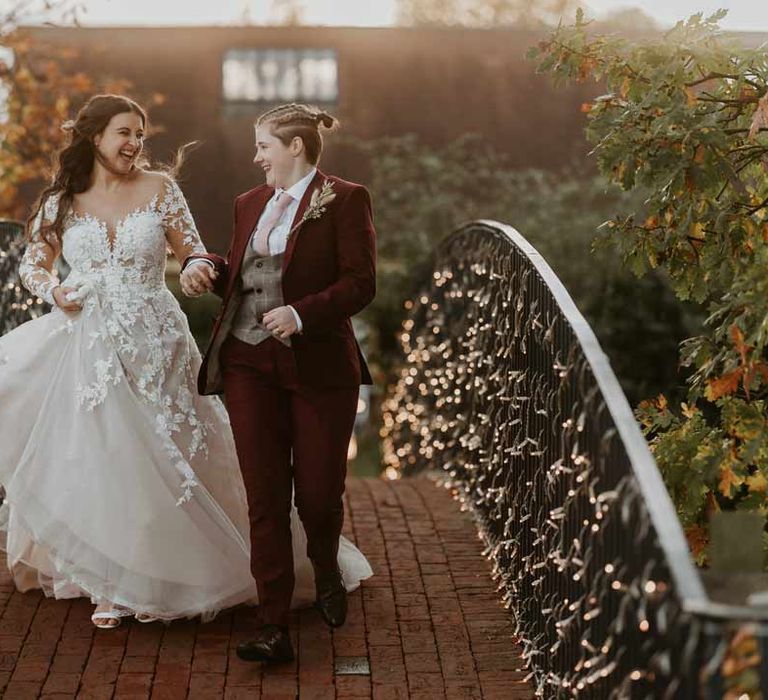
134,328
134,263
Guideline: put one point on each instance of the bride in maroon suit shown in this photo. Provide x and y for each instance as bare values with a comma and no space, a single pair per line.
300,265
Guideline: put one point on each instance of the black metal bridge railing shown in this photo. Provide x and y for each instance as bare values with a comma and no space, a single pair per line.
506,393
16,303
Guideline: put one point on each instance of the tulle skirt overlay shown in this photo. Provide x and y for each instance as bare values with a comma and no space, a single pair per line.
122,483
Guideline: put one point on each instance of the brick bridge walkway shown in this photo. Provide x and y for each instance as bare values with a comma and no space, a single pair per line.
427,625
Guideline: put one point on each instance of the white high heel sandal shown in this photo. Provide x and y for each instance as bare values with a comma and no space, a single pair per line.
145,618
114,615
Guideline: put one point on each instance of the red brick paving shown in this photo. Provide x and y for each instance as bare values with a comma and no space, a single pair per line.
429,623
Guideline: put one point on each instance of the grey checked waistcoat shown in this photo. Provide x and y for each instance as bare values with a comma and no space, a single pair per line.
261,292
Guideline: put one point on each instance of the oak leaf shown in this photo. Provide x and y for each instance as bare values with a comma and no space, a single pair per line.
728,479
737,338
688,411
723,386
697,539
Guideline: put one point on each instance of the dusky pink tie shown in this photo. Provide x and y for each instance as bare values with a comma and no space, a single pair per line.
268,222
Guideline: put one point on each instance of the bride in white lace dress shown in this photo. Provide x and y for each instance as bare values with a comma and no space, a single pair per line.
122,483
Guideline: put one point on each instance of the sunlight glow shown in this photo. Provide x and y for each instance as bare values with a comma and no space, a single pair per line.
234,12
751,15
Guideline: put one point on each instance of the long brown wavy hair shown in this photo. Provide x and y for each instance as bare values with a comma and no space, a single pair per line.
76,159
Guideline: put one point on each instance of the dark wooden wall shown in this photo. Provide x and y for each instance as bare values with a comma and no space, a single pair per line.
436,83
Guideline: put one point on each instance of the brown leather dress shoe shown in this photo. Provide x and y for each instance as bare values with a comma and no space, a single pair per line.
272,644
331,597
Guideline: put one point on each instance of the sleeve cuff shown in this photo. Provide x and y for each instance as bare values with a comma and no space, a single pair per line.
299,324
197,261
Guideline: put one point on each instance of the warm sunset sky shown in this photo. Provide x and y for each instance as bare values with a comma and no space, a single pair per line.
743,14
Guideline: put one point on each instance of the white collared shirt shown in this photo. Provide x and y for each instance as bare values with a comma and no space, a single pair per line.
278,239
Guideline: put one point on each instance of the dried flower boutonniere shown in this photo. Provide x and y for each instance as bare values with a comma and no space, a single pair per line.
317,203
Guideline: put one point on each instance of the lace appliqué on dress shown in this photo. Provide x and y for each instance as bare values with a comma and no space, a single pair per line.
36,267
91,395
143,334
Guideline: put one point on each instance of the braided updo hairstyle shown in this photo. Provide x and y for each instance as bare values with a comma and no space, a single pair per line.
286,122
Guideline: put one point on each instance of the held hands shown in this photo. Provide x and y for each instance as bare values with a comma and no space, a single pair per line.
280,322
198,279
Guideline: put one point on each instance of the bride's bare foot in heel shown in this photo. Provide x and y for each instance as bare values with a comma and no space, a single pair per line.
146,617
107,617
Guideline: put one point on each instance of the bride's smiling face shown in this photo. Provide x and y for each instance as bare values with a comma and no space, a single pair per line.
277,160
121,142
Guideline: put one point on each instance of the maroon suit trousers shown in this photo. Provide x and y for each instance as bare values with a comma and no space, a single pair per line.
289,437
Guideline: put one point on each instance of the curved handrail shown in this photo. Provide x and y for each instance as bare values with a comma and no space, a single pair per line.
627,578
672,539
671,536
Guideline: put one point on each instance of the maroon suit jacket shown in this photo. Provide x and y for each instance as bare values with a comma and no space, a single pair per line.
329,274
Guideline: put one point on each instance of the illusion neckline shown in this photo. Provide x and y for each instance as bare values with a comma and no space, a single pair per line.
112,234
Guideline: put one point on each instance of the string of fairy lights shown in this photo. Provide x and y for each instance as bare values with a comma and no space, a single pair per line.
496,394
16,303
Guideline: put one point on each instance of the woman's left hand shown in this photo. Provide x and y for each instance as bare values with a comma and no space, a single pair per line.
281,322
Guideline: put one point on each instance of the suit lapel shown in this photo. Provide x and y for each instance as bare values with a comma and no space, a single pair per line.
316,182
253,210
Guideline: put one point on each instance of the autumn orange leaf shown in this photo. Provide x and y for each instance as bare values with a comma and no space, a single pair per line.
723,386
697,539
735,666
728,479
737,338
625,85
688,411
743,653
42,90
757,483
586,66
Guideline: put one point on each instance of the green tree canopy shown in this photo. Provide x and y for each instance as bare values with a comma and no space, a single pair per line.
684,120
421,193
